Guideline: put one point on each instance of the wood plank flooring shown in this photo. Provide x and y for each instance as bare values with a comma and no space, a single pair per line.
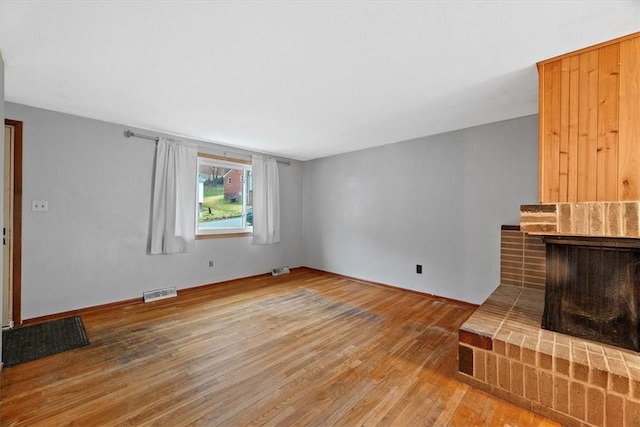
308,348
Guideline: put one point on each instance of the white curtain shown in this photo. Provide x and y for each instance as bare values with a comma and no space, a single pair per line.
266,201
174,197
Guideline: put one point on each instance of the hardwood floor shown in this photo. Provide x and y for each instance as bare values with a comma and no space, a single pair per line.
308,348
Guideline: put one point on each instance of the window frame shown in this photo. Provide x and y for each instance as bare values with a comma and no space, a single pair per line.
244,165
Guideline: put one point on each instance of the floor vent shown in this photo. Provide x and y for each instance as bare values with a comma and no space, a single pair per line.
279,271
160,294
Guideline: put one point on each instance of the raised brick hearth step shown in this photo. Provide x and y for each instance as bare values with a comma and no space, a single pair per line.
504,351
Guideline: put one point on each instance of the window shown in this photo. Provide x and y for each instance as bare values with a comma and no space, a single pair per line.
225,196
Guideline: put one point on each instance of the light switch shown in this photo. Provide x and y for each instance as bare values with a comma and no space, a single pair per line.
39,206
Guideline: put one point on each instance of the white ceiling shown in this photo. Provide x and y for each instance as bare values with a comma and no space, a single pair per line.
298,79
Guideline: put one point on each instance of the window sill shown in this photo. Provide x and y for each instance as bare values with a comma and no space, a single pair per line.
222,235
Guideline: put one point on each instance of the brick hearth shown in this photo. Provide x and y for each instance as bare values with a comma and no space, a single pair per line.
503,351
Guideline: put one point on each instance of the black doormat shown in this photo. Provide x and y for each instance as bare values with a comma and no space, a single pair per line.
29,343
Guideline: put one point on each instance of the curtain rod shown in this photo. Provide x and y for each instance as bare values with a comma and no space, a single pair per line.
129,133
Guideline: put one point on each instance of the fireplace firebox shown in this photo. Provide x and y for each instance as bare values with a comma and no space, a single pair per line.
593,289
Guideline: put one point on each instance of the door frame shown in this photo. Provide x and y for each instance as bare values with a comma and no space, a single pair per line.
16,240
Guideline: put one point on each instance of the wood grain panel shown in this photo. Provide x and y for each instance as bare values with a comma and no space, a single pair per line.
590,124
551,131
543,158
608,95
563,179
629,122
587,126
307,348
574,115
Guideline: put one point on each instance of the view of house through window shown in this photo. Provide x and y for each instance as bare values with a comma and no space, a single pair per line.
225,196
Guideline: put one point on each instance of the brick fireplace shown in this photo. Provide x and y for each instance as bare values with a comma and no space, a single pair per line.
588,276
504,351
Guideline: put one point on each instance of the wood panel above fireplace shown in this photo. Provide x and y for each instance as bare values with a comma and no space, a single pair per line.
590,124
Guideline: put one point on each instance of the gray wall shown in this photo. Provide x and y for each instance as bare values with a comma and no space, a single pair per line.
438,201
374,214
91,247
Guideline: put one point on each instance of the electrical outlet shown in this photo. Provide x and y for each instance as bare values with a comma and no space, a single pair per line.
419,268
39,206
210,264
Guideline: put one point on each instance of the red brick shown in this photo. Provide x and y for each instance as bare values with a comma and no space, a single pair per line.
636,389
562,366
465,359
492,372
596,219
475,340
517,378
546,389
561,359
513,352
630,224
531,383
561,394
503,373
541,208
576,400
599,378
545,361
564,218
479,365
632,412
614,415
581,218
580,372
619,383
529,356
595,406
539,228
612,219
